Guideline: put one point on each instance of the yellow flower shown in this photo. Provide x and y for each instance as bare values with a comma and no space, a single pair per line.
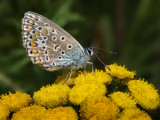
4,112
145,94
134,114
33,112
61,113
80,92
98,77
61,79
122,100
120,72
16,101
52,95
100,108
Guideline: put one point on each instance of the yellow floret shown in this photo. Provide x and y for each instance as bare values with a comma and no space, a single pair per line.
134,114
145,94
81,92
52,95
120,72
98,77
16,101
60,79
61,113
100,108
4,112
123,100
34,112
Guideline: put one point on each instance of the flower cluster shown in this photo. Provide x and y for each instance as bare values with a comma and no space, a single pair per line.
61,113
79,93
52,96
100,108
134,114
16,101
123,100
88,94
120,72
145,94
4,112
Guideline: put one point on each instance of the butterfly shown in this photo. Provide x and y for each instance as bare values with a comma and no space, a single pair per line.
50,46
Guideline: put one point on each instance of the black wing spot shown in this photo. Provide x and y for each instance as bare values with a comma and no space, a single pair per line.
69,46
56,47
62,38
60,58
54,38
62,52
39,28
46,52
47,58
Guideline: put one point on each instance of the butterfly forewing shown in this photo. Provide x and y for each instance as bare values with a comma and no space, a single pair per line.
47,44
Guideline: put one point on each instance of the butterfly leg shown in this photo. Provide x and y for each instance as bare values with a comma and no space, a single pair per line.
69,76
65,79
92,66
84,71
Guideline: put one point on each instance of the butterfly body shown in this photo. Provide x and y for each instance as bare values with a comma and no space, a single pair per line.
51,47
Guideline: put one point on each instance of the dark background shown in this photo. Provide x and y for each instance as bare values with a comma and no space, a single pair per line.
130,28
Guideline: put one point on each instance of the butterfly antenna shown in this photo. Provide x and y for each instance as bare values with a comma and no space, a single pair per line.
102,62
105,50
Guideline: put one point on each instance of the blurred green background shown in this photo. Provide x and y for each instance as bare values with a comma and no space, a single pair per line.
130,28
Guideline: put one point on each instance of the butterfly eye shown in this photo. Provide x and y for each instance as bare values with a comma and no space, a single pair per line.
90,52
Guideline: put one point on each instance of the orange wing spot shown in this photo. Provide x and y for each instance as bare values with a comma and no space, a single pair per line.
31,22
36,33
30,28
33,44
51,29
34,38
44,31
38,60
34,52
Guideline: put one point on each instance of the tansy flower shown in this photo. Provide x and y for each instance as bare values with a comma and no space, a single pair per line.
52,95
134,114
61,78
145,94
4,112
98,77
120,72
80,92
100,108
123,100
61,113
33,112
16,101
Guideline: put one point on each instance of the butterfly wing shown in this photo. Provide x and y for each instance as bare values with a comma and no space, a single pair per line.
47,44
